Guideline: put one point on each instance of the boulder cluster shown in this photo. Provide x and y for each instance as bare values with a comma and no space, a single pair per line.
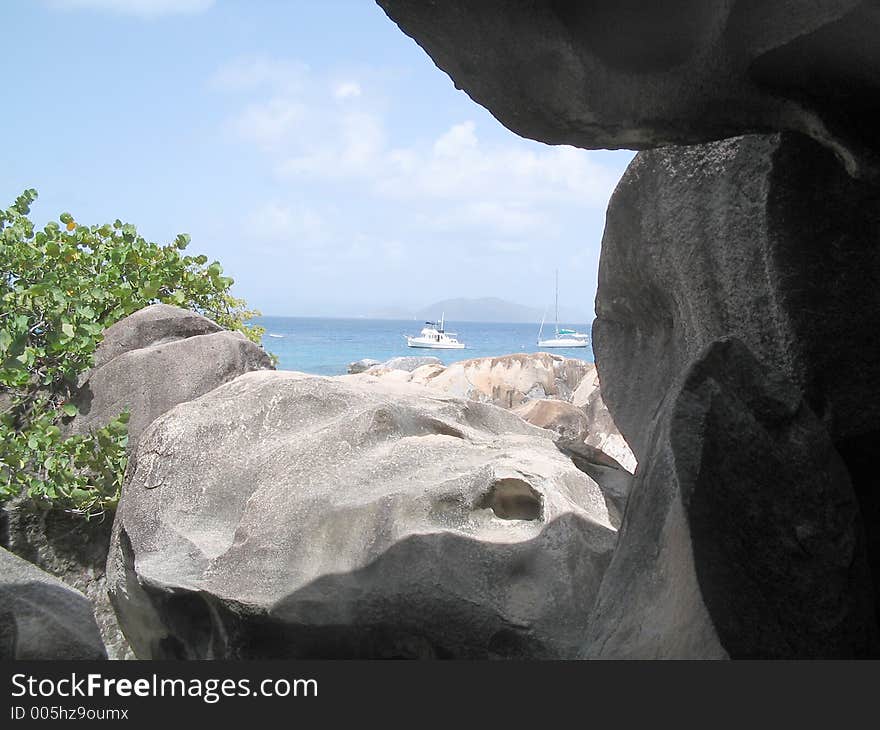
410,510
737,307
492,508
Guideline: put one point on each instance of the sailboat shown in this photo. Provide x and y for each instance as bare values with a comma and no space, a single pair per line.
563,337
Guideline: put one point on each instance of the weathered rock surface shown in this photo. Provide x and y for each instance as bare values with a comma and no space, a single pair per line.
285,515
536,386
742,535
408,362
775,245
157,324
557,415
602,432
626,73
41,617
154,360
359,366
613,479
506,381
73,550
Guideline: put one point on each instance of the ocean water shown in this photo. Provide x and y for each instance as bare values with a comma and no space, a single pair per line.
326,346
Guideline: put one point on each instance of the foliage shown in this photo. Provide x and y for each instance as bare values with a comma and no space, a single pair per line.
60,287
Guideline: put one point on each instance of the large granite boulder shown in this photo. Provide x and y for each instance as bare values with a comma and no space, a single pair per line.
292,516
153,360
157,324
41,617
635,74
763,238
742,536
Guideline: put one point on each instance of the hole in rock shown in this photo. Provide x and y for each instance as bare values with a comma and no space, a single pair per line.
513,499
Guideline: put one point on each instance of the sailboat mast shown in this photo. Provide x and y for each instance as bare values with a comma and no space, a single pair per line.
557,302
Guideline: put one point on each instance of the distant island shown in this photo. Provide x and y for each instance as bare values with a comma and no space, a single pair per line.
485,309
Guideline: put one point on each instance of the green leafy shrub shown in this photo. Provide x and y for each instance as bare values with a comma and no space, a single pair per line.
59,289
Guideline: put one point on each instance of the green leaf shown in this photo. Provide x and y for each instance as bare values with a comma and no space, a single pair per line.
68,329
69,409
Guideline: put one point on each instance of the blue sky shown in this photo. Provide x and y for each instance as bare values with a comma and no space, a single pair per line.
311,147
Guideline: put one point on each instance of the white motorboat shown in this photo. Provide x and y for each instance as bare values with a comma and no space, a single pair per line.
435,337
562,337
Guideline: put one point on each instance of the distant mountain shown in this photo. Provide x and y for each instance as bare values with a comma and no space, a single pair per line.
486,309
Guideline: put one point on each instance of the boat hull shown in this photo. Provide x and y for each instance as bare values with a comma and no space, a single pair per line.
562,342
413,342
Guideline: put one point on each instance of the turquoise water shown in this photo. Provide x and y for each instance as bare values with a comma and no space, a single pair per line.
327,346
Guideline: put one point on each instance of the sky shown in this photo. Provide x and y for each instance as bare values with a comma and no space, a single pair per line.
311,147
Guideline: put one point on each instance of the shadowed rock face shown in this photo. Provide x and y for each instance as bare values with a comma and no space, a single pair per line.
41,617
72,549
742,535
627,73
285,515
764,238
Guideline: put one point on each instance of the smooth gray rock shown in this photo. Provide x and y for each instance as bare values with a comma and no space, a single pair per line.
764,238
156,324
152,379
360,366
635,74
742,536
41,617
292,516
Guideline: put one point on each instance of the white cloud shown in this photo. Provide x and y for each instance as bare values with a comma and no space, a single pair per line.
270,123
347,90
458,140
275,221
141,8
460,196
243,74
